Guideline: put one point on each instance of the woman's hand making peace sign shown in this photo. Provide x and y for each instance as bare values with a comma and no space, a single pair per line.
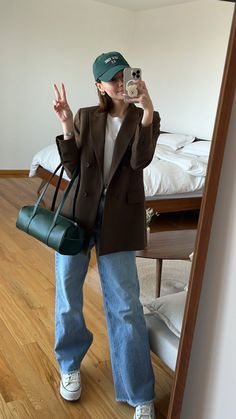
62,108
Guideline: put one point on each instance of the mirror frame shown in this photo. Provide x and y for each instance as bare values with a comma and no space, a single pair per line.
220,132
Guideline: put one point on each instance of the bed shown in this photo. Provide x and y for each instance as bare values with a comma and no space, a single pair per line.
174,180
164,319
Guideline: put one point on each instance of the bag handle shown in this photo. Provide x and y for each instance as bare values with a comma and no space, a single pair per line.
63,199
57,190
45,187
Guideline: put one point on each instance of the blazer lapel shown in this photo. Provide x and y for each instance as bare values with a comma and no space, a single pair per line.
98,130
126,132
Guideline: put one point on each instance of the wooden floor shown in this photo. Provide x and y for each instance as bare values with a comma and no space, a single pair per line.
29,374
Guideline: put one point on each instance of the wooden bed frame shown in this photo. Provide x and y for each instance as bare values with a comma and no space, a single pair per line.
158,205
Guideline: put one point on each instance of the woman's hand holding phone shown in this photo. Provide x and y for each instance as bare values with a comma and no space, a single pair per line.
145,101
135,91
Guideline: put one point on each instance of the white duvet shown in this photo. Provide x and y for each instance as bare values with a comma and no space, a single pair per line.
170,172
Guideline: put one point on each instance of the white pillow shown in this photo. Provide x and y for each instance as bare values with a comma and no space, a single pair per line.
175,141
170,309
198,148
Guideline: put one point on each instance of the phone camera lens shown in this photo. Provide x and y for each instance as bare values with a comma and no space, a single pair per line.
138,76
138,71
133,74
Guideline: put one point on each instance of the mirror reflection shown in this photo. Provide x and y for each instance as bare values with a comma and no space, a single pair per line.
181,50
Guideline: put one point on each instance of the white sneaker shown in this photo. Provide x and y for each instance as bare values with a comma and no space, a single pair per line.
145,411
70,386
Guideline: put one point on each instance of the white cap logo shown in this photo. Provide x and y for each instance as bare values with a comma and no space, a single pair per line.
111,60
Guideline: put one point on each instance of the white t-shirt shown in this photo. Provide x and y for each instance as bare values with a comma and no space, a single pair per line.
112,129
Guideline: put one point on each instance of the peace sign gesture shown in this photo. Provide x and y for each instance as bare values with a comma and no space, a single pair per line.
61,106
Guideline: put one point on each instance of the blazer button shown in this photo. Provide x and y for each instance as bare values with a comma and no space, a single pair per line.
87,164
85,194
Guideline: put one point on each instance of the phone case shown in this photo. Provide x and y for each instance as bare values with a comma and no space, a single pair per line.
130,88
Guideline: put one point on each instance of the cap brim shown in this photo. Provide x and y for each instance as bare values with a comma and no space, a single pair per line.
112,72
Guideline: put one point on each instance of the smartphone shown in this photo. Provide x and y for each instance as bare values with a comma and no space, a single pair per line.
131,88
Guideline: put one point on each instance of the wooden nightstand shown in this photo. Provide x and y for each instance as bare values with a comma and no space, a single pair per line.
172,237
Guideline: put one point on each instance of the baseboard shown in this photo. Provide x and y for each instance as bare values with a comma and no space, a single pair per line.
14,173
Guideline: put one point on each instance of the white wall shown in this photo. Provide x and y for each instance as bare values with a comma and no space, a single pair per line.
46,41
182,50
211,383
42,42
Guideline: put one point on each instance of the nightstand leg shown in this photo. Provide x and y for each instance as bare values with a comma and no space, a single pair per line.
158,276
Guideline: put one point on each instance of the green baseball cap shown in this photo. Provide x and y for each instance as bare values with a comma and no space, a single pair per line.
108,64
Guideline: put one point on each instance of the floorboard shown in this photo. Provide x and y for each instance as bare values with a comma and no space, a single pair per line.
29,375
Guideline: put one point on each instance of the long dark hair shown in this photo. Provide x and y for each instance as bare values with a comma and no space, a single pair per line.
105,102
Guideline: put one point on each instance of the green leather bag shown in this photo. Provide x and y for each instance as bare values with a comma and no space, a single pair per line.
56,231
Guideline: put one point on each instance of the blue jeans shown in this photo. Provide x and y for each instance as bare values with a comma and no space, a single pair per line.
128,339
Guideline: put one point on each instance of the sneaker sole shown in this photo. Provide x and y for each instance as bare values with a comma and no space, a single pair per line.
70,396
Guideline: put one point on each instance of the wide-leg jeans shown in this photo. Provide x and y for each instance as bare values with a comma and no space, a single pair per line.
129,347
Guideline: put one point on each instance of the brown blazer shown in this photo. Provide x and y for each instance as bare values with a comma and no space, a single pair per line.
124,219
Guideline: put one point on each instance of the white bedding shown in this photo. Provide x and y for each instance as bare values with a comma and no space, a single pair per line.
170,172
194,165
163,342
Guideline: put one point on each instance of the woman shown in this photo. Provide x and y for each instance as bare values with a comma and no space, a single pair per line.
111,143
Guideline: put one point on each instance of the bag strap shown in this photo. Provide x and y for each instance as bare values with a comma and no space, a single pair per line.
45,187
64,196
57,189
75,199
